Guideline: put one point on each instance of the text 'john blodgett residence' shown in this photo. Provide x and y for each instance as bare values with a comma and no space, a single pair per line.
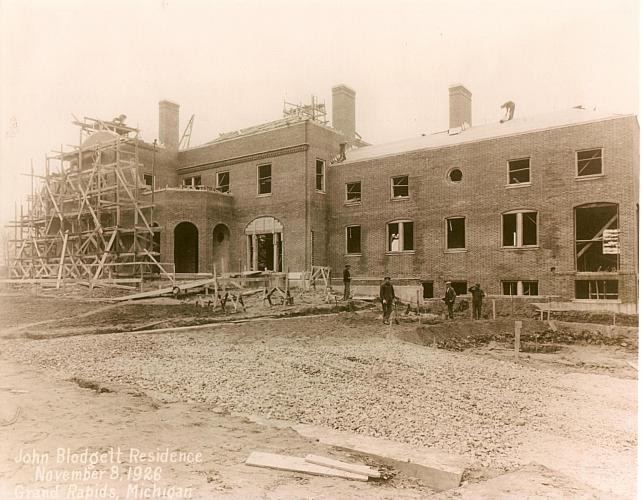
541,205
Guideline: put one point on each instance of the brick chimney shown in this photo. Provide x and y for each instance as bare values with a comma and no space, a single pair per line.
343,111
168,124
460,106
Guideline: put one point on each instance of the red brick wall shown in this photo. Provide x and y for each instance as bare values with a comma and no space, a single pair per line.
289,201
164,164
203,209
482,197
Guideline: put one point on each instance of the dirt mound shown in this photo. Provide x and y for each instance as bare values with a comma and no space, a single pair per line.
461,335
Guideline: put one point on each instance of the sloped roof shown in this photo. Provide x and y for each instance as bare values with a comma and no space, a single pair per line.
263,127
516,126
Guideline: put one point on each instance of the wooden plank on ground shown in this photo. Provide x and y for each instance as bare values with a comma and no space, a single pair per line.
438,469
361,469
297,464
167,290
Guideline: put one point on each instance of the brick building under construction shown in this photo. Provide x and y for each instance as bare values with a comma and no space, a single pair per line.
542,205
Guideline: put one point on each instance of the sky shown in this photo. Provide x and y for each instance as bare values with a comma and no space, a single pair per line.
233,63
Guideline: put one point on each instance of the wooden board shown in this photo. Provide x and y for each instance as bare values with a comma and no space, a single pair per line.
438,469
297,464
361,469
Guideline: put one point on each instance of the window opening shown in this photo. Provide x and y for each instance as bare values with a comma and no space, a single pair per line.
519,171
353,239
353,192
223,182
589,162
265,179
401,236
597,238
400,187
320,177
456,232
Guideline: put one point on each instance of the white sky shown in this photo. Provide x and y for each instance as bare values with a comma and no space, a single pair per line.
232,63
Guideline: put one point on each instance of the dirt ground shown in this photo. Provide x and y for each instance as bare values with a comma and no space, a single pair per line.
571,410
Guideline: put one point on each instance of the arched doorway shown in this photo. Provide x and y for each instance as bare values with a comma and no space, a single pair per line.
186,248
264,239
221,248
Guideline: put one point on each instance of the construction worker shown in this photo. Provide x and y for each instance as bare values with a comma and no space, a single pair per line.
449,298
346,282
478,294
387,296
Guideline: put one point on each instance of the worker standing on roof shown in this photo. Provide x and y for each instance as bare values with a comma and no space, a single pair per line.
346,282
387,296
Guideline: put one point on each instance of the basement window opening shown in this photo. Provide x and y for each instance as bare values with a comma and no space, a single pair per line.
353,239
460,287
223,182
520,287
597,244
428,289
596,290
264,179
519,229
456,233
400,187
589,162
353,192
401,236
519,171
320,176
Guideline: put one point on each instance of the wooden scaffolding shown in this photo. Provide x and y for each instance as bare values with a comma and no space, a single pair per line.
90,217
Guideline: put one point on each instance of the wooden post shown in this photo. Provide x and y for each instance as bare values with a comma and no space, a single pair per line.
215,282
418,311
548,316
62,259
494,310
518,331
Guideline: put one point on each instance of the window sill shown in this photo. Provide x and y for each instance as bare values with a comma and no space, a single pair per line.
529,247
593,301
352,255
265,195
519,185
319,191
401,252
589,177
597,273
400,198
456,250
352,203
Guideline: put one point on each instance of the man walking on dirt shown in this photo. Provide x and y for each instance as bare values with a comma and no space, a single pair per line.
449,298
387,296
346,282
478,294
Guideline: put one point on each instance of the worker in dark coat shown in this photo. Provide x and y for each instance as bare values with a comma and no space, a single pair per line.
449,298
387,296
478,294
346,282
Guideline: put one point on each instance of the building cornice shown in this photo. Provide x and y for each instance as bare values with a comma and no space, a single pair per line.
243,159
